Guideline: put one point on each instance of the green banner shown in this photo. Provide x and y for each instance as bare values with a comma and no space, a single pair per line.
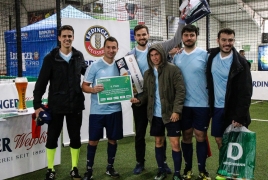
116,89
246,47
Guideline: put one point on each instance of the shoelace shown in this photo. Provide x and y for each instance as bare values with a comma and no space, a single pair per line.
51,175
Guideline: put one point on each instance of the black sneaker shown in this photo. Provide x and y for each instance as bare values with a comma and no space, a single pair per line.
111,172
74,174
50,175
168,170
160,175
203,176
88,175
138,168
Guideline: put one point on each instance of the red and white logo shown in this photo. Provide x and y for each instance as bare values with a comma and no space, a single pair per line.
94,39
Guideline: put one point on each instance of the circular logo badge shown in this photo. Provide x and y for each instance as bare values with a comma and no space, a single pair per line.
94,38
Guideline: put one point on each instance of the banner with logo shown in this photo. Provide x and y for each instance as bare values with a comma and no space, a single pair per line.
32,56
19,152
260,85
9,96
237,154
90,34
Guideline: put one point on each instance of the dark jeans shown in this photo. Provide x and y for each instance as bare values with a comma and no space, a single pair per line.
141,123
73,122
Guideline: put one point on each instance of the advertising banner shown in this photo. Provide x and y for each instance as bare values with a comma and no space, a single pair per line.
260,85
9,96
90,34
32,56
116,89
19,152
263,58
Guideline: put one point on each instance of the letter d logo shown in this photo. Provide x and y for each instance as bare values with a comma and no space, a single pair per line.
230,150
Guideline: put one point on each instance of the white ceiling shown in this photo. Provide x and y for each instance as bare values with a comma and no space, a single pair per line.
222,10
239,10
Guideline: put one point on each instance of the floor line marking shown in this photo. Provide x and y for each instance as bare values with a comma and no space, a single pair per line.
259,120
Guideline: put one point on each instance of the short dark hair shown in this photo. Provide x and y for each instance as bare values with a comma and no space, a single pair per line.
65,27
226,31
112,39
241,51
140,26
189,28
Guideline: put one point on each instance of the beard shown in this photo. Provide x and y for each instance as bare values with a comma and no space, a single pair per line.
226,51
189,45
142,44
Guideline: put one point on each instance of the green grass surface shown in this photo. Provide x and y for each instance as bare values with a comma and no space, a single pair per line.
125,157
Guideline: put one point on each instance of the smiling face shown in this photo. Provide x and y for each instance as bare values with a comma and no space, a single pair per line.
141,36
155,57
66,38
110,50
226,43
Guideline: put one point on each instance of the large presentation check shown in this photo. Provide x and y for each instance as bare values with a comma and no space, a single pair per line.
116,89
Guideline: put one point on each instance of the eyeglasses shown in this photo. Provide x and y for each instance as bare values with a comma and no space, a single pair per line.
227,40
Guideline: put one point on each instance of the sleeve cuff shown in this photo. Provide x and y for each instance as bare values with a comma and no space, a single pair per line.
181,21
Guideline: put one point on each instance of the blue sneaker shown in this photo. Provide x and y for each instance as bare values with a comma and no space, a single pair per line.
168,170
138,168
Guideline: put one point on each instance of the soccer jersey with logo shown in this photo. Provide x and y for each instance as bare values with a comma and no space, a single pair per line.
96,70
193,68
220,71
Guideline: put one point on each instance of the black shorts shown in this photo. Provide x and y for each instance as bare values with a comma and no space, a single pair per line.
158,128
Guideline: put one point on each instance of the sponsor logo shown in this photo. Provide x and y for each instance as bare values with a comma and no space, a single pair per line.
24,35
89,62
30,59
36,55
46,33
230,151
260,83
8,103
26,140
94,38
234,152
4,145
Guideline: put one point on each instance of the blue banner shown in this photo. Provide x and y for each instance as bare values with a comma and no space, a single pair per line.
36,44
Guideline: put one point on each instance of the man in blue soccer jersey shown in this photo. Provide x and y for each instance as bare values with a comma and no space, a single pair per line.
106,115
195,114
141,34
164,91
229,86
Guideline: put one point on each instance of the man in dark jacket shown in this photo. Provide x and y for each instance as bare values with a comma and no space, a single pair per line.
62,68
164,94
229,85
